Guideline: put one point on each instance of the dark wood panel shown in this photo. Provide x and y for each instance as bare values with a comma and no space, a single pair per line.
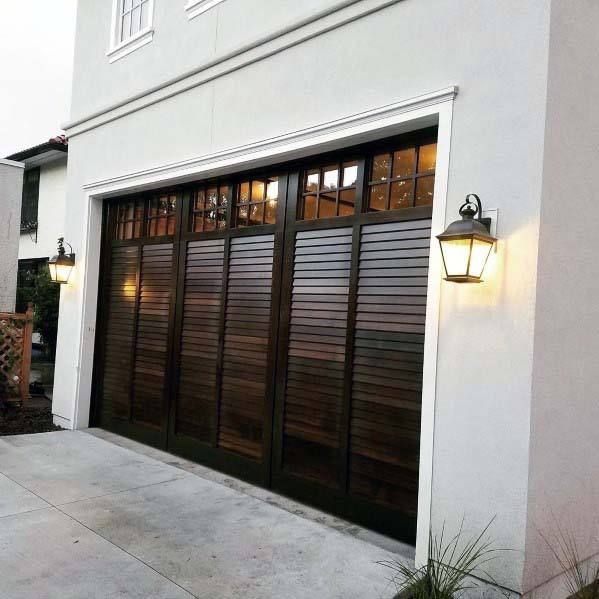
387,371
195,412
120,333
246,347
151,343
316,355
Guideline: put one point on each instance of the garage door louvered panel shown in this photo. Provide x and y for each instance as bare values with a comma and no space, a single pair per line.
152,334
120,332
316,354
196,397
246,345
387,368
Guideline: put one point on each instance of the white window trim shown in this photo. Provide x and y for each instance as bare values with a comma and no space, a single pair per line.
194,8
118,49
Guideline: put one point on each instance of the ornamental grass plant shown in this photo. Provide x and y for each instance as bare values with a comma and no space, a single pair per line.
452,566
581,579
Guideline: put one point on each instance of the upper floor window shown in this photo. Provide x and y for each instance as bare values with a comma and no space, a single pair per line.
131,28
134,16
30,200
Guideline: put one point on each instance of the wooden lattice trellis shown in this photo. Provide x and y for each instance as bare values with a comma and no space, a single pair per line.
15,354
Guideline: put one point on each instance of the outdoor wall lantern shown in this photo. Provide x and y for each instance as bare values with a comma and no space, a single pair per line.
62,264
467,243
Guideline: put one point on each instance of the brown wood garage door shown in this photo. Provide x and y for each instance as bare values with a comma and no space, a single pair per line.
272,325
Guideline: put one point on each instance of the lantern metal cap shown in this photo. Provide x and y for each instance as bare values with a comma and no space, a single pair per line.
62,258
469,227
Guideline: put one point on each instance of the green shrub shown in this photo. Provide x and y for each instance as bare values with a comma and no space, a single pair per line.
45,298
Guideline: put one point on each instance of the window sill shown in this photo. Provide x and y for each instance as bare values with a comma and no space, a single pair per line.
133,43
194,8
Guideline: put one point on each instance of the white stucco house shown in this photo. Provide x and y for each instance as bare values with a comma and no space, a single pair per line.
42,206
253,197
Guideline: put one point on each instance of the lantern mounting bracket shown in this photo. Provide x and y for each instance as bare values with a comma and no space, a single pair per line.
61,250
470,209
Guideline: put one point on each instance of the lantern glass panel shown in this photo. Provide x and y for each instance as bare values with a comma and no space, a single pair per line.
52,268
455,255
60,273
478,259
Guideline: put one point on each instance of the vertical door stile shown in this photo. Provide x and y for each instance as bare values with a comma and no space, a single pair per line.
222,321
175,347
171,359
284,320
344,431
275,313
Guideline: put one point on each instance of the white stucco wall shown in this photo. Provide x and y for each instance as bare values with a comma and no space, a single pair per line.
496,52
51,207
564,456
11,186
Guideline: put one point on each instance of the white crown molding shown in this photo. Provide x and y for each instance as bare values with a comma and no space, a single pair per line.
357,127
6,162
343,13
194,8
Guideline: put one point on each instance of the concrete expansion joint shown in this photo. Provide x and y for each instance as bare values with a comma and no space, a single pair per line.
57,508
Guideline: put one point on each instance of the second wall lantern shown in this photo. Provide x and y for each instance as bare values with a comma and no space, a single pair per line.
467,243
62,264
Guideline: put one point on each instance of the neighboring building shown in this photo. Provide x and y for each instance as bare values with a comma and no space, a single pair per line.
11,182
42,211
253,196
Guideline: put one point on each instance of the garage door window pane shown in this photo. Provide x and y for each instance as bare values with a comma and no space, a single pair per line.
161,216
427,158
401,195
209,208
256,202
425,187
410,179
129,220
329,191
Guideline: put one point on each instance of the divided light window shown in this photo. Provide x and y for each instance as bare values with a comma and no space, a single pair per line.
134,16
209,206
329,191
161,215
30,199
145,217
257,202
129,220
402,179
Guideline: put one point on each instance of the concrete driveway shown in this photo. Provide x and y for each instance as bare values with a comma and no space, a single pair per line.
91,515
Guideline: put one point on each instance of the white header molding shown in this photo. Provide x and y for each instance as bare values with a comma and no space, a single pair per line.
356,128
